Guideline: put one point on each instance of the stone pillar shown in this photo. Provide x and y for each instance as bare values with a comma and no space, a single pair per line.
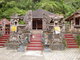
46,20
29,20
3,27
72,25
44,25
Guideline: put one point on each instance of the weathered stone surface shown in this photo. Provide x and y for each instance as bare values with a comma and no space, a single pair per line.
68,54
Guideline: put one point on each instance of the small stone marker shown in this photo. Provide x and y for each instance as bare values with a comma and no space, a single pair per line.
21,48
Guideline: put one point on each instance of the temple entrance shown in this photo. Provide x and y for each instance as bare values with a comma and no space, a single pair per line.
7,29
37,23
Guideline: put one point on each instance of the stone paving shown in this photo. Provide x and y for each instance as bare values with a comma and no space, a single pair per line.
67,54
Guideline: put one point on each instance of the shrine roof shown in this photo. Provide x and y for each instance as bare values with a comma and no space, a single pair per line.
40,12
74,15
6,21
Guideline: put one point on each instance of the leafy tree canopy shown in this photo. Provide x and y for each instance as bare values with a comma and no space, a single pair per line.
65,7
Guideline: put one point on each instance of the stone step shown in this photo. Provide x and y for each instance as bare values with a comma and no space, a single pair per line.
2,44
2,41
70,39
34,48
71,42
68,35
35,45
38,35
35,40
72,46
35,37
36,31
4,37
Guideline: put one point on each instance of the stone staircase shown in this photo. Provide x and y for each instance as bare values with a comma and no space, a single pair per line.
36,31
35,41
3,40
70,41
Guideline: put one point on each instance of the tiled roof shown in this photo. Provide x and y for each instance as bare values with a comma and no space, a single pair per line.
77,13
4,21
39,13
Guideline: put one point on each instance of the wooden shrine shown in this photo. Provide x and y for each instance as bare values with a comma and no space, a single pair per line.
35,20
5,26
74,21
41,19
15,22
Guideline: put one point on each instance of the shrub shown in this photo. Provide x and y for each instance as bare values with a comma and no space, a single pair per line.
0,33
78,39
21,22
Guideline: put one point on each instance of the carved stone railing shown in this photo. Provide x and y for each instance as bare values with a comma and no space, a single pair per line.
15,41
67,28
57,42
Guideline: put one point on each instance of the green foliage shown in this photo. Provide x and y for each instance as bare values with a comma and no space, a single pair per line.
25,4
7,13
78,39
65,7
45,5
21,22
0,33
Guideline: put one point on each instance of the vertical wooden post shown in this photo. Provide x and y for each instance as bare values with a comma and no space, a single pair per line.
73,24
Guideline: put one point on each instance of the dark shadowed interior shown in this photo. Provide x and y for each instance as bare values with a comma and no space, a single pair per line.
37,23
